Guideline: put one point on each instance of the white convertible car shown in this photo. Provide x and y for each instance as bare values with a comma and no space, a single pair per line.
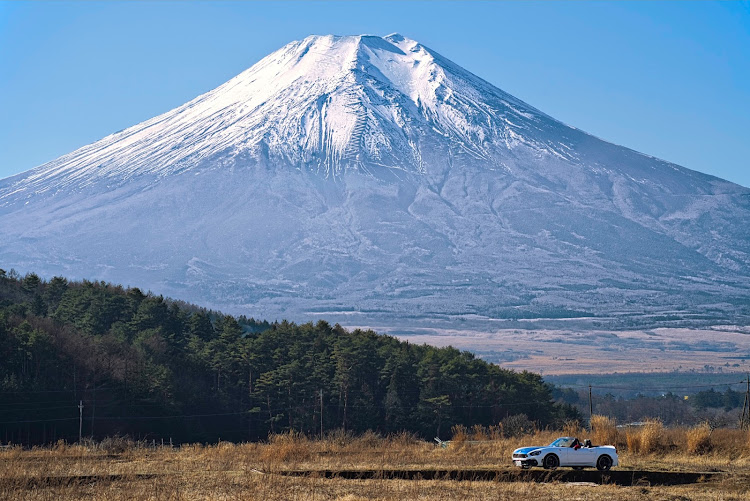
567,451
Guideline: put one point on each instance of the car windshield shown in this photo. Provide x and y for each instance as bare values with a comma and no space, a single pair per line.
562,442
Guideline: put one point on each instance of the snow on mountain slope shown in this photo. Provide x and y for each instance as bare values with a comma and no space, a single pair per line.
323,103
371,177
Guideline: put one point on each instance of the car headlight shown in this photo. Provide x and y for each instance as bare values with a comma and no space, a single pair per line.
535,453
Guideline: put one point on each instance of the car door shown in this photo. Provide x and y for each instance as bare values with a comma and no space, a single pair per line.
583,456
563,453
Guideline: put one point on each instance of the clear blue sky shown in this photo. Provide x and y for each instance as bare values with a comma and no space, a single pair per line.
668,79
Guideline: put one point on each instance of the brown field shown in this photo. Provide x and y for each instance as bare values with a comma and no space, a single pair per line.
119,469
582,351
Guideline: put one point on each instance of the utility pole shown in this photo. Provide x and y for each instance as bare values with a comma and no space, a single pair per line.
321,414
93,411
80,420
591,407
745,419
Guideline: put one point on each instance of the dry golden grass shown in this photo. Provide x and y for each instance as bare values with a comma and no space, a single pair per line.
647,438
699,439
273,488
572,429
121,470
652,434
604,430
289,448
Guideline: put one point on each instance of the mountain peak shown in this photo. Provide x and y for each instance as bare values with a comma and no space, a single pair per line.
326,103
395,37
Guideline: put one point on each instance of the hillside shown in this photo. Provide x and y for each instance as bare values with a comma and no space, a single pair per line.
154,368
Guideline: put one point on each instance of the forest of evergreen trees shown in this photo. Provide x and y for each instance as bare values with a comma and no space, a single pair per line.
153,368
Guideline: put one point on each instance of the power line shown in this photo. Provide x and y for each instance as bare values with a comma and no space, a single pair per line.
8,411
184,416
41,420
321,406
24,392
296,408
32,402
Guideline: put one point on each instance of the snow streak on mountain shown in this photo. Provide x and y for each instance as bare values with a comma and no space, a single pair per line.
371,179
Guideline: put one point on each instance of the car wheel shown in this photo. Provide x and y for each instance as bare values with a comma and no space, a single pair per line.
551,461
604,463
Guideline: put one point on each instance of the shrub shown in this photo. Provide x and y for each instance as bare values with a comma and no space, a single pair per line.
495,432
459,435
340,437
287,447
60,446
699,439
646,438
403,439
517,425
116,444
370,439
479,433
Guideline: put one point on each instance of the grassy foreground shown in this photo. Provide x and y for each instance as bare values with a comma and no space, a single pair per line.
118,469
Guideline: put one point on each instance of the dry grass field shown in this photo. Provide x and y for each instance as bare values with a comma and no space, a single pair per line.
119,469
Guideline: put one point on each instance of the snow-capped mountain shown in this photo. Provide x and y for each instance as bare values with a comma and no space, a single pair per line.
372,179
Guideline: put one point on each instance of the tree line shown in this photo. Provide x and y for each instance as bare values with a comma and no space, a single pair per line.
149,367
720,408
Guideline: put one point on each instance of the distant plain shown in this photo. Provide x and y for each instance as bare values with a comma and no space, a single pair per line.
719,349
